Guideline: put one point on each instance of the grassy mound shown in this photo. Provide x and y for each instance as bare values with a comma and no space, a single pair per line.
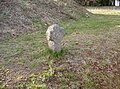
20,16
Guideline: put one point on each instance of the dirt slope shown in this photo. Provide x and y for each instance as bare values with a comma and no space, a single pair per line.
20,16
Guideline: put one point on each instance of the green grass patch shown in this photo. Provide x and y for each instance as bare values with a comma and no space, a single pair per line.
92,25
56,55
38,24
2,86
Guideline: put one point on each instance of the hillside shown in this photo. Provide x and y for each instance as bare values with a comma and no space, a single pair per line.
20,16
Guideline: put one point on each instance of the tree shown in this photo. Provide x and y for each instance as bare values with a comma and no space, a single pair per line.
104,2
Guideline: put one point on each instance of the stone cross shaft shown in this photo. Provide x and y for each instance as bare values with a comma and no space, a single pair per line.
54,35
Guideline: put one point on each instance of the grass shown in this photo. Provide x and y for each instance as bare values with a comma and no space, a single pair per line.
56,55
64,70
38,24
35,43
2,86
104,11
92,25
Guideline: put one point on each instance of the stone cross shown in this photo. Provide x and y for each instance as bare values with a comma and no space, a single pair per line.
54,35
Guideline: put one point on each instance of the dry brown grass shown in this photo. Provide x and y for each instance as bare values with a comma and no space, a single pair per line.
104,11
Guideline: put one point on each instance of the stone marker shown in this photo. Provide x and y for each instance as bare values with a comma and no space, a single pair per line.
54,35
